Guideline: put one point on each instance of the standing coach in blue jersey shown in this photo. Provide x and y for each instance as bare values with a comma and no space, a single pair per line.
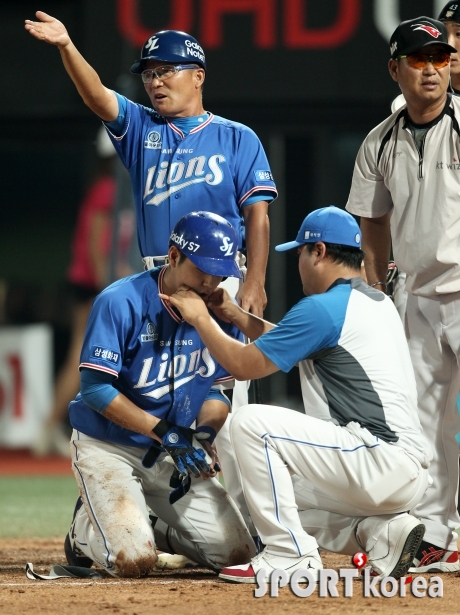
177,154
146,377
358,456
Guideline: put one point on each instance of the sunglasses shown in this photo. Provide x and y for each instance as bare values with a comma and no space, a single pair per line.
421,60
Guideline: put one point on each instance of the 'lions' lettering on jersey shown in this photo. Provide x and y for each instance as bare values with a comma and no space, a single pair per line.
198,169
173,369
216,167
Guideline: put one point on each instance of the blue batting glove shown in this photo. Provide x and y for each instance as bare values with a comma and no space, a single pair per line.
177,441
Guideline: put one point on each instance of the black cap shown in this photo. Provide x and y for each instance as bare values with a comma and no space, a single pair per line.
414,34
451,12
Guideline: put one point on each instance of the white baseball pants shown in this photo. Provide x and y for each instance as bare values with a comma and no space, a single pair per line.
433,333
227,458
114,529
347,483
400,294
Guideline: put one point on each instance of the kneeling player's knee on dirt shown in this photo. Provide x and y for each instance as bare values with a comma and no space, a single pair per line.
134,567
240,555
234,552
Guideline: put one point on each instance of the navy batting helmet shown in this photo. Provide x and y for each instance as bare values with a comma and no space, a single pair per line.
170,46
209,241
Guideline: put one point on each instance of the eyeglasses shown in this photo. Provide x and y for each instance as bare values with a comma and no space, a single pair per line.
421,60
165,72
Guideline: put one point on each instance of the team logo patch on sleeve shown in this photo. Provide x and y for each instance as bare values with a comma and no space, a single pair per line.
263,176
98,352
153,140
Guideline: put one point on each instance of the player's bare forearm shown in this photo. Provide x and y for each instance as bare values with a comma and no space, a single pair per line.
252,296
213,413
99,99
376,243
123,412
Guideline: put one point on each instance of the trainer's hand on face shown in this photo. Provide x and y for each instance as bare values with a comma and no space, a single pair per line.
48,29
221,304
188,302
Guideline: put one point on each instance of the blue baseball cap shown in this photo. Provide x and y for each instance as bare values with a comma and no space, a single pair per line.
328,224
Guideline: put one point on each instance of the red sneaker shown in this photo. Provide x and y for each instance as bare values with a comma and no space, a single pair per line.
430,558
246,573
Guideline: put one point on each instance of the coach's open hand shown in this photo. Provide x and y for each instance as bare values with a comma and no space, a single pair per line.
48,29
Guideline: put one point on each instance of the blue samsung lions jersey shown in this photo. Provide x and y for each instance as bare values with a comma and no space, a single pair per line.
216,167
158,360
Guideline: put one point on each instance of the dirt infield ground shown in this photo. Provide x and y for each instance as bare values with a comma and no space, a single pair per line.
188,592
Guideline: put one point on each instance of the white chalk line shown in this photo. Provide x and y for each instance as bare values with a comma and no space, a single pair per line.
108,582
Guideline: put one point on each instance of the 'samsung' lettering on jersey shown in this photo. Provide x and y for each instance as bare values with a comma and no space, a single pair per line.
199,362
164,182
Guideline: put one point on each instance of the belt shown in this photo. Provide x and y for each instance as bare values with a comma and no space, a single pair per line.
154,261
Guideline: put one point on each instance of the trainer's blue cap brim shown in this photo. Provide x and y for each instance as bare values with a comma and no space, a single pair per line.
329,225
282,247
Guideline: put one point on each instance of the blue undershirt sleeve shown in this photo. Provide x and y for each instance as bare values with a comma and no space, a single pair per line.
96,389
116,127
216,394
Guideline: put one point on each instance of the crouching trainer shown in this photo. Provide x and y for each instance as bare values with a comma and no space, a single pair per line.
358,457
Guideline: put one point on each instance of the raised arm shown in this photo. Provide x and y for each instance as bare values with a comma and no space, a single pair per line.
95,95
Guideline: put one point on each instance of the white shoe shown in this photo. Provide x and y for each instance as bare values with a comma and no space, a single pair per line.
396,546
167,561
246,573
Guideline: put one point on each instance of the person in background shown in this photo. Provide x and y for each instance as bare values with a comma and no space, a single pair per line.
405,188
450,17
87,276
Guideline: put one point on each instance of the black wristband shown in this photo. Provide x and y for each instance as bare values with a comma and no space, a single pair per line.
162,428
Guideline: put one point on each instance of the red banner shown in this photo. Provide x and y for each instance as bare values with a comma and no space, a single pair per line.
211,15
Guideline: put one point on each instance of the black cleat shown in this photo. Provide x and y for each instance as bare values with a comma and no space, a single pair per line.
74,556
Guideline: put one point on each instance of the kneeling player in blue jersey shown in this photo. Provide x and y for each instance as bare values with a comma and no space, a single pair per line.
358,454
146,377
